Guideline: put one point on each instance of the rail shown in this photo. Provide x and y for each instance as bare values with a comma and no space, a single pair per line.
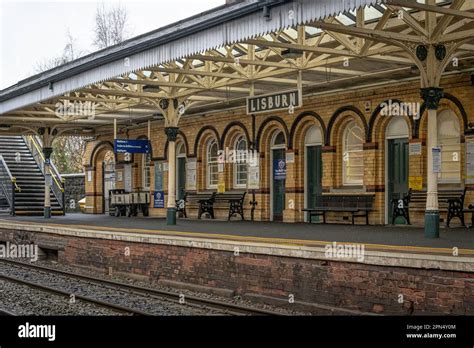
36,147
8,186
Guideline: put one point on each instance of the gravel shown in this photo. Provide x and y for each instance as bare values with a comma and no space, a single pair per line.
143,302
235,300
24,300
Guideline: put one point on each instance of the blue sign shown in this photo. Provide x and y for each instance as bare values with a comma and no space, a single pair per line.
132,146
159,199
279,169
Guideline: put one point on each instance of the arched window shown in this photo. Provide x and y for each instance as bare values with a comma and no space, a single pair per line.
449,140
352,155
212,172
181,150
313,136
240,165
279,140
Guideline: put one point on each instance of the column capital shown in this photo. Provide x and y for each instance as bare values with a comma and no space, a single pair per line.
432,96
47,151
172,133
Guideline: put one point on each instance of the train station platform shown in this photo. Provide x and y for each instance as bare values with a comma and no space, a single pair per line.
398,238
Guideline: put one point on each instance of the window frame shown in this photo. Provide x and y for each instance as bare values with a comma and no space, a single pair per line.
458,145
215,162
236,165
345,182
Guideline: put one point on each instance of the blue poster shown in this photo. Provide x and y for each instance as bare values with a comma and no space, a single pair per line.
132,146
159,199
279,169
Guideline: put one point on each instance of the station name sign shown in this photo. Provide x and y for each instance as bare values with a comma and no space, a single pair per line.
272,102
132,146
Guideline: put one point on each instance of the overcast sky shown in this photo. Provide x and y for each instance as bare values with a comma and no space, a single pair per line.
33,31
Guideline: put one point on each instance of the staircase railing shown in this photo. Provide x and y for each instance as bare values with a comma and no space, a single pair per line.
36,148
8,185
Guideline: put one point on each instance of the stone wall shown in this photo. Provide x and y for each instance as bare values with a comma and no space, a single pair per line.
74,190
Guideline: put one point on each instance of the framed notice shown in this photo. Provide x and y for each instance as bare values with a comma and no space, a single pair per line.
253,177
469,160
191,166
414,149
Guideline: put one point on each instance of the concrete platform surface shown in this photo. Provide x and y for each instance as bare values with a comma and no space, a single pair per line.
380,237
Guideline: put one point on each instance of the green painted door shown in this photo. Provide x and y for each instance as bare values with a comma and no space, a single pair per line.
314,174
181,180
278,193
397,172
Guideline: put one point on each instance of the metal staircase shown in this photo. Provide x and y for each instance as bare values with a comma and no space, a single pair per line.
22,178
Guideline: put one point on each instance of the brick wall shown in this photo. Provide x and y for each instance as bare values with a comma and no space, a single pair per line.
344,285
197,130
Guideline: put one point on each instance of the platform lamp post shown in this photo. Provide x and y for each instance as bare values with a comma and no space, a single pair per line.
47,151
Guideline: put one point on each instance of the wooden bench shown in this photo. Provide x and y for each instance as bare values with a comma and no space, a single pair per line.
235,200
451,201
357,205
205,201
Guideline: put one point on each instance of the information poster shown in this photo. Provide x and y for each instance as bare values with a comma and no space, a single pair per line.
469,161
279,169
159,199
253,181
159,176
414,149
221,187
415,183
436,159
191,166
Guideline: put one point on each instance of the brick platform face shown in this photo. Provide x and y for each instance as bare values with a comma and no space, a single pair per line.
352,286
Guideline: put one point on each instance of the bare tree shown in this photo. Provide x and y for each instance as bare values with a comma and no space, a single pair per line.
111,26
70,52
67,153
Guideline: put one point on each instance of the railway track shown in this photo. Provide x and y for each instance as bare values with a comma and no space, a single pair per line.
115,307
188,300
6,313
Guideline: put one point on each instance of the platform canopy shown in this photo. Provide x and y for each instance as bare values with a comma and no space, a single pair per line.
214,60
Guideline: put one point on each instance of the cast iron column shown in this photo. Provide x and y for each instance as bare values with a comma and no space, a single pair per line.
432,96
172,134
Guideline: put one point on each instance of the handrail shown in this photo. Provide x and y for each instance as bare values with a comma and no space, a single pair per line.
56,176
36,147
8,184
12,178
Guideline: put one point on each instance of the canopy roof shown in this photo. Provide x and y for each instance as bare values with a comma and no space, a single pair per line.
216,59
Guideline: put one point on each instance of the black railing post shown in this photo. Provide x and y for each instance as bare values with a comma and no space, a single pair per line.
63,189
12,210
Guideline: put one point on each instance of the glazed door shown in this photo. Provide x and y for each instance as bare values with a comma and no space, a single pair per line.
397,171
314,174
279,178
